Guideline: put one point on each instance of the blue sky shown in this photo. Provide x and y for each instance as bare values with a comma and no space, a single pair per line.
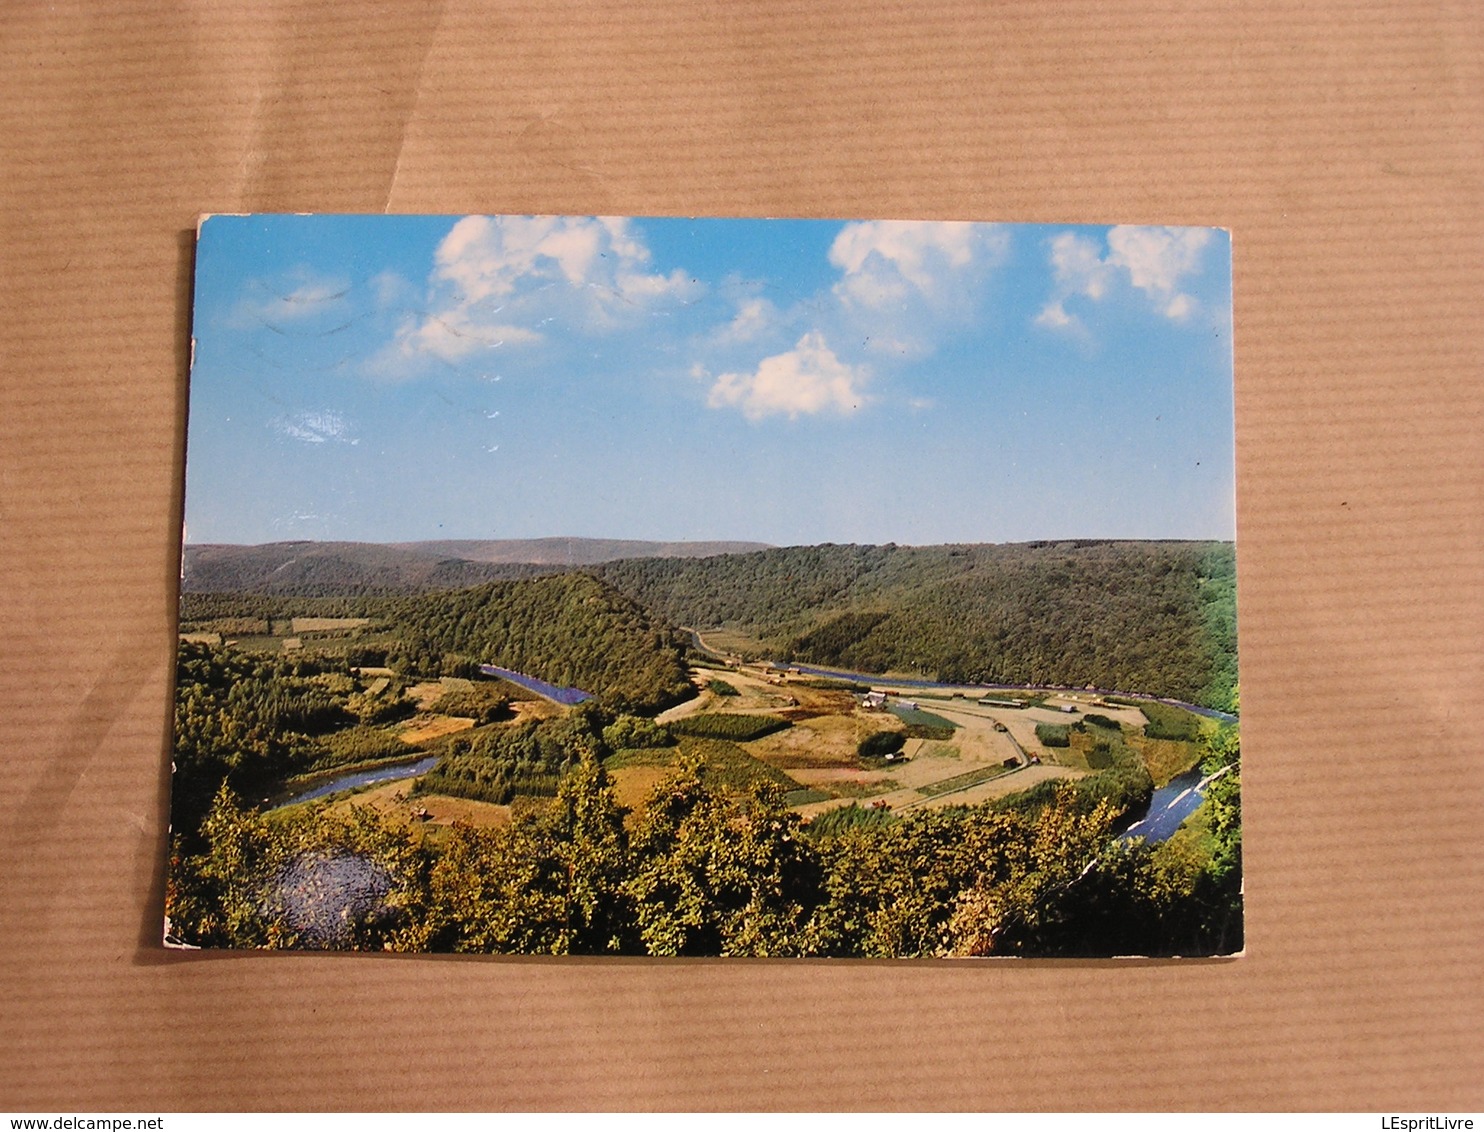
392,378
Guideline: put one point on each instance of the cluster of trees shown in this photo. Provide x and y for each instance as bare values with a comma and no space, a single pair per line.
1147,616
527,758
703,870
251,721
880,744
568,629
481,703
724,725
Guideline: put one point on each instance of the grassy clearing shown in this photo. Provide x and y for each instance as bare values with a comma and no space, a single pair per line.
326,624
632,785
393,803
822,742
1166,722
726,764
962,781
732,642
851,788
640,756
916,717
434,727
1165,758
804,795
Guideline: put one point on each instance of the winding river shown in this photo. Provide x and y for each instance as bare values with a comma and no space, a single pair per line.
1171,805
372,777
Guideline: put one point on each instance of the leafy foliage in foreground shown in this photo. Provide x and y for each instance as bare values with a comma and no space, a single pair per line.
706,870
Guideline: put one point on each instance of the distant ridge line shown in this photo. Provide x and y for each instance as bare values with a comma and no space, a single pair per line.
306,566
562,551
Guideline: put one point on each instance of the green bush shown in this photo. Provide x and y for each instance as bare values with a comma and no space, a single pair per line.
1101,721
881,744
1100,757
1054,734
363,745
721,688
481,704
630,732
853,816
1166,722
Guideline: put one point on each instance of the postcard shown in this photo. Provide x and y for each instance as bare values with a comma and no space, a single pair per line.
708,587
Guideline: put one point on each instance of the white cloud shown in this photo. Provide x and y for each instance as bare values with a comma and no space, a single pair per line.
905,285
497,281
1078,267
455,335
755,317
808,379
1054,314
886,262
1157,258
1154,260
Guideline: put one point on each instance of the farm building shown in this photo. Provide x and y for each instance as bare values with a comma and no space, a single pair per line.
874,701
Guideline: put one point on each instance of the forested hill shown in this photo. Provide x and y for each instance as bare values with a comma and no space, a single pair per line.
343,569
1156,617
334,569
569,629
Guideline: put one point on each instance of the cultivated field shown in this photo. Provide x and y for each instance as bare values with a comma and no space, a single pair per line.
953,750
392,801
426,728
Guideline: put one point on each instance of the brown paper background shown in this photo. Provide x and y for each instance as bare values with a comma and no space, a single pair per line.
1341,144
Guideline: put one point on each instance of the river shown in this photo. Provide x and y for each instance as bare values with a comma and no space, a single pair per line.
372,777
1170,806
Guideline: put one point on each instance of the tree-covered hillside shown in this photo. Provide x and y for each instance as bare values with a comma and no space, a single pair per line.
1155,617
324,569
330,569
569,629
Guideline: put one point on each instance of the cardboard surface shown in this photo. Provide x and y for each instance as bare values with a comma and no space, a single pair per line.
1339,143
